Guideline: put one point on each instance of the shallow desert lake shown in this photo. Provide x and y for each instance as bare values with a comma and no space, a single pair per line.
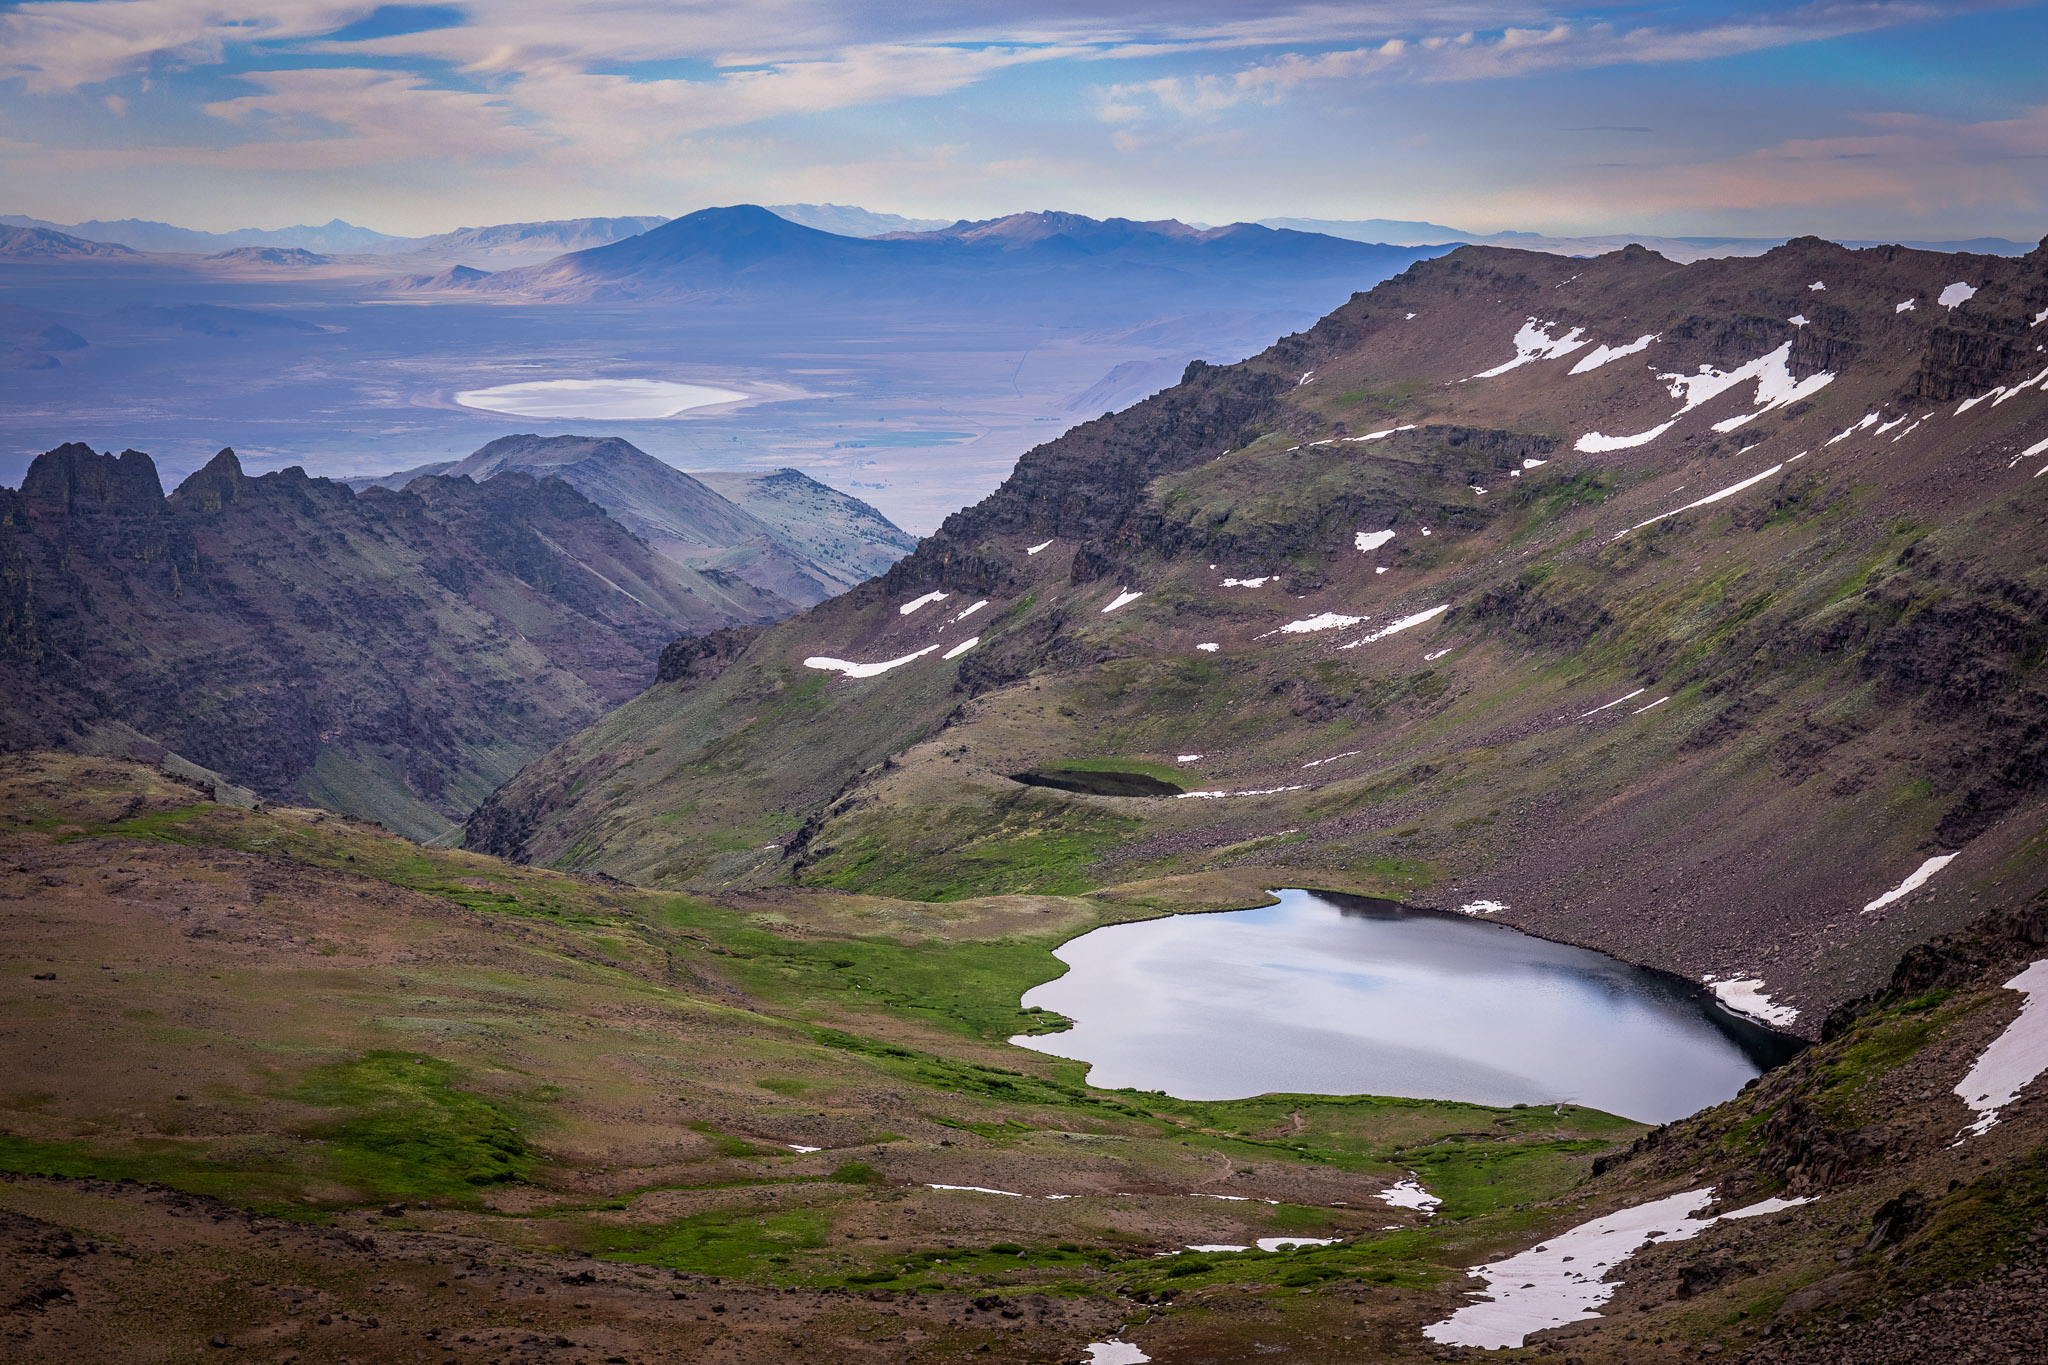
1341,995
618,400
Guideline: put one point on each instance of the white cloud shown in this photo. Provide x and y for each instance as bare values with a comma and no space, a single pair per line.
56,45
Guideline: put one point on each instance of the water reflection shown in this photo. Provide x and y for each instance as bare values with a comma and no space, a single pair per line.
1328,994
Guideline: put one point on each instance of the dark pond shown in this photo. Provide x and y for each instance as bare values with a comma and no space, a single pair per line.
1340,995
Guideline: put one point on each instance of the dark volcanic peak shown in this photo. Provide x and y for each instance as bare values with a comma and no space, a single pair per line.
394,655
1527,577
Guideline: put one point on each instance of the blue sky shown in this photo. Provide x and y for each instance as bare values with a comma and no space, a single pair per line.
1845,119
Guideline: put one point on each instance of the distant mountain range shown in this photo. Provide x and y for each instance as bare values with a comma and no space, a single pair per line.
781,531
1052,264
1402,232
142,235
848,221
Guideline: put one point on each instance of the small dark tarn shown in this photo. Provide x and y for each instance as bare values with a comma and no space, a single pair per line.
1096,784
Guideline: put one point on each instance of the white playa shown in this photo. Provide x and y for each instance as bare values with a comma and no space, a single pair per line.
854,670
1368,541
1124,597
1912,883
618,400
914,603
2015,1056
1600,355
1534,342
957,650
1746,996
1408,1194
1957,294
1730,491
1405,623
1560,1281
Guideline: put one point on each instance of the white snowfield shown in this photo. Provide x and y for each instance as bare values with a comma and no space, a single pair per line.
1368,541
1115,1353
1869,420
2015,1058
854,670
1616,702
1254,791
957,650
1816,286
1124,597
1651,707
1209,647
1408,1194
966,612
1034,549
1799,320
1601,354
1906,307
914,603
1405,623
1482,907
1534,342
1328,620
1746,995
979,1189
1775,388
1912,883
1380,435
1560,1280
1247,582
1730,491
2039,318
799,1147
1957,294
1219,1246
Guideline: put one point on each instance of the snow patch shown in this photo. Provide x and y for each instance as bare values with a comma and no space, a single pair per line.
1528,463
1798,320
1034,549
1115,1353
1209,648
1906,307
1651,707
969,611
1223,1246
799,1147
1408,1194
1277,1243
1247,582
1816,286
1382,435
1254,791
1318,762
957,650
1482,907
1560,1281
1730,491
2039,318
1432,658
1328,620
2015,1056
1403,624
914,603
1124,598
1745,995
1616,702
1593,443
1957,294
1600,355
1534,342
1775,388
1912,883
854,670
1368,541
979,1189
1869,420
1186,758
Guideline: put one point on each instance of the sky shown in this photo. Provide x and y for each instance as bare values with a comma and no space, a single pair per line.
1911,119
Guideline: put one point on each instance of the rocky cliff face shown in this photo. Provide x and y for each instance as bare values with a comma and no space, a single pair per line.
1677,610
393,655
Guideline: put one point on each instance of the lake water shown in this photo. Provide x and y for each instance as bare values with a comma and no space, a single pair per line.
617,400
1341,995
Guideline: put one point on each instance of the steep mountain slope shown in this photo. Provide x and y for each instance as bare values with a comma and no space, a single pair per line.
784,532
393,655
1681,611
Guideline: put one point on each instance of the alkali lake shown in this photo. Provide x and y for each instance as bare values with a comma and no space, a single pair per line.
1341,995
